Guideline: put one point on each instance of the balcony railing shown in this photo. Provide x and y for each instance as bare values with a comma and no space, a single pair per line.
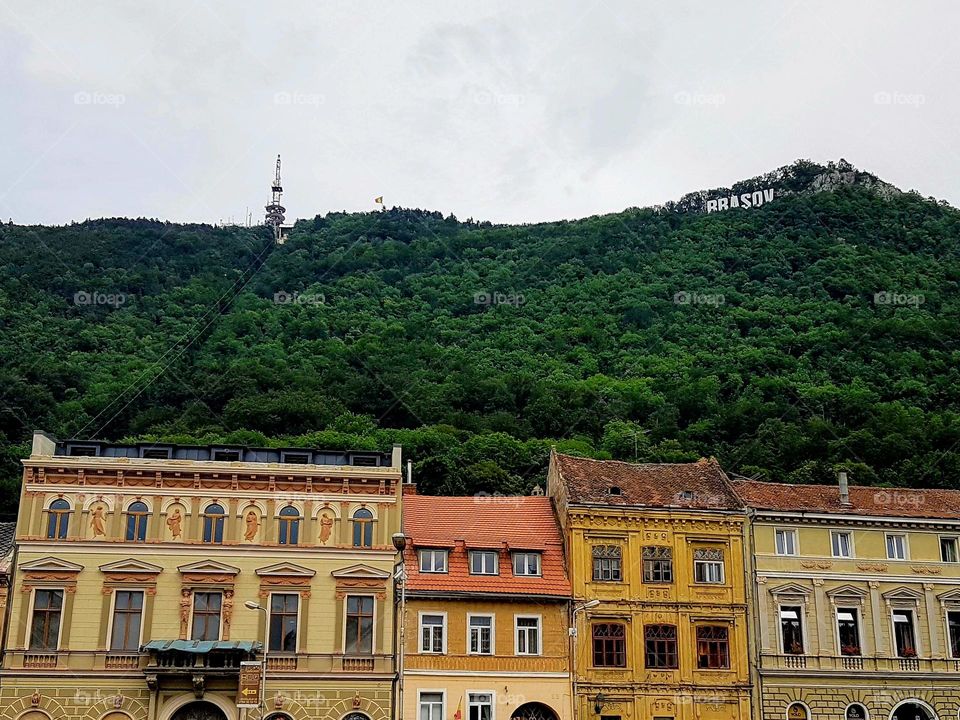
35,660
855,662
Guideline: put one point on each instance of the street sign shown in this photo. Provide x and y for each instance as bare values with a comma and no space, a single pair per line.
248,692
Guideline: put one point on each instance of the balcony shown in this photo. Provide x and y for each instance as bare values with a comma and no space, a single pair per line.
848,663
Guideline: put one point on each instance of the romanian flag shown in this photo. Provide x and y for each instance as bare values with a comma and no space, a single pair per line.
458,715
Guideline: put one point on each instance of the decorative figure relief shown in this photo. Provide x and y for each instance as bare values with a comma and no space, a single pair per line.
174,524
326,527
185,603
227,613
96,520
253,526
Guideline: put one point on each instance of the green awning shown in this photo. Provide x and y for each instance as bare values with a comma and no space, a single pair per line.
202,646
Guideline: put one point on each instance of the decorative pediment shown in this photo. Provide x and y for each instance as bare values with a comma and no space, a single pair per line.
131,565
790,589
209,567
286,569
903,594
51,565
360,571
950,596
847,591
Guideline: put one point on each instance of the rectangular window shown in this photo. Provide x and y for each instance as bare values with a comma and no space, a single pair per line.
848,631
206,615
660,646
896,547
791,629
607,563
840,544
713,648
526,563
481,634
431,706
658,565
45,624
432,633
484,562
948,549
480,706
708,566
283,622
609,645
528,635
786,542
127,615
903,633
953,630
359,634
433,561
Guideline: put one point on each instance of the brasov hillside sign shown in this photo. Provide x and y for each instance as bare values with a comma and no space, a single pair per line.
744,200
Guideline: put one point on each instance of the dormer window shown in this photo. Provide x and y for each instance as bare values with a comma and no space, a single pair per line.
364,460
155,453
614,490
295,458
484,562
687,495
433,561
226,455
83,450
526,563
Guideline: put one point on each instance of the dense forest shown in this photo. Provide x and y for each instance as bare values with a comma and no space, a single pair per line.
816,332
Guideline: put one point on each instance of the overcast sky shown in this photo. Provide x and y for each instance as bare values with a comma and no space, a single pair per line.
505,111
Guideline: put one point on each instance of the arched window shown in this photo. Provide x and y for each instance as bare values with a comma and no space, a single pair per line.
289,526
213,518
137,515
58,519
363,528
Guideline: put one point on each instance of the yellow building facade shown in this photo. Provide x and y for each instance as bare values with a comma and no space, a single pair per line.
857,601
136,565
656,559
484,611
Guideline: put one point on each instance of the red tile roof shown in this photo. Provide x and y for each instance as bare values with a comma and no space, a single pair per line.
873,501
659,485
504,523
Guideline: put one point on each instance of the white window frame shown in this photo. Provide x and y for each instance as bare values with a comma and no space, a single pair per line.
496,561
946,630
299,617
915,623
526,554
516,634
956,548
493,702
63,612
723,572
113,607
906,547
493,633
343,626
787,533
443,630
442,692
802,617
849,534
433,553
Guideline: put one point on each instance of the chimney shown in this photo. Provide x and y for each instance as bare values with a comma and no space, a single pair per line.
844,488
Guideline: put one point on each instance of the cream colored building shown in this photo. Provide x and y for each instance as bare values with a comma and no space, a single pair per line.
134,565
856,597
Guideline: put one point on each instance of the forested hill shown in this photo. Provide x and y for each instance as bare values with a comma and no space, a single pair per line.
814,332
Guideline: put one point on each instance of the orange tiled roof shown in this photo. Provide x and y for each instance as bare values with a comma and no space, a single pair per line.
504,523
874,501
659,485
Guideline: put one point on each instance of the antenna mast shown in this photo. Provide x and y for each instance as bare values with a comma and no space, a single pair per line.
275,211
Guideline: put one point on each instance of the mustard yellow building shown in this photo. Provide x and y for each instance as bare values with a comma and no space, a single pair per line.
136,565
484,610
857,596
656,559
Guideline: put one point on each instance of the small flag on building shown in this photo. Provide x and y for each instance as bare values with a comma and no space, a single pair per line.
458,715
